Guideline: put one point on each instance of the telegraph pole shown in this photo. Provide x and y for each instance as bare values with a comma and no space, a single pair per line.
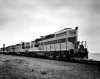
3,48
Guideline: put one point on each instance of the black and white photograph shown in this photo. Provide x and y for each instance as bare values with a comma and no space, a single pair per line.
49,39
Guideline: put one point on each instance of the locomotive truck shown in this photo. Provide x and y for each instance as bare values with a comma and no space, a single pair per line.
62,44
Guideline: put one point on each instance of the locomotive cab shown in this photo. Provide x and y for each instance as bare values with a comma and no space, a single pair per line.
82,50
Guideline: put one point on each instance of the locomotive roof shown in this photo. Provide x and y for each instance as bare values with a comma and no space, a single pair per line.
45,37
52,35
63,30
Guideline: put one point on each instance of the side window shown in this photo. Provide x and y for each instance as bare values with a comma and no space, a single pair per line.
72,39
52,42
61,40
49,42
55,41
41,43
45,43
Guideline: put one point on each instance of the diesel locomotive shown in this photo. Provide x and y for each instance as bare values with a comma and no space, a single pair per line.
62,44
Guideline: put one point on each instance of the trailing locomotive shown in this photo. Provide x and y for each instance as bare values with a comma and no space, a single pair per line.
63,44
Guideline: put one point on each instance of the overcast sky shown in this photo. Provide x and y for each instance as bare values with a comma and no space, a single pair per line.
25,20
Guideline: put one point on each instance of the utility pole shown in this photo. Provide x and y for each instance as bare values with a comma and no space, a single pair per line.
3,48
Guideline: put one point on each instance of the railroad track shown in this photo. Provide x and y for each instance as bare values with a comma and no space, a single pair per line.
86,61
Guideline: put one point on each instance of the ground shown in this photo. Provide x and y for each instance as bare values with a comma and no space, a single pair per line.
14,67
